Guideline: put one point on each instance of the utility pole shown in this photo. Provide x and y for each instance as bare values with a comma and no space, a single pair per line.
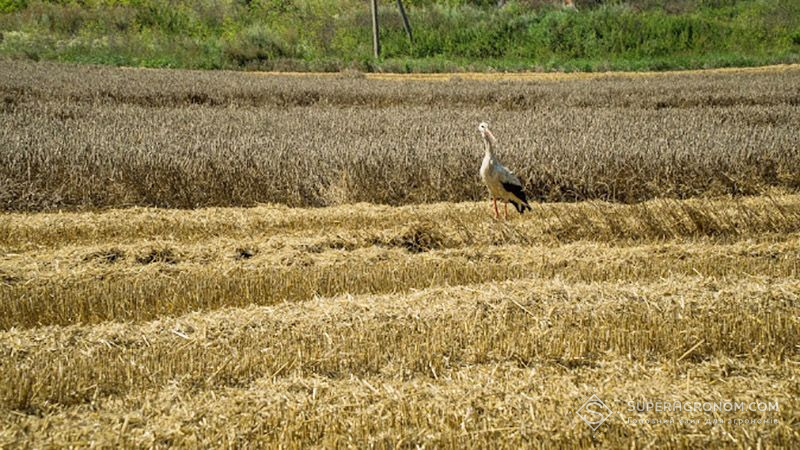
376,35
376,38
406,23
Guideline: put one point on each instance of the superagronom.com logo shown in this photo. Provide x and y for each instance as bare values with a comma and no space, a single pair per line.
594,412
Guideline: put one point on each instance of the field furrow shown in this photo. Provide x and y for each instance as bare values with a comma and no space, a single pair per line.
279,256
463,407
538,331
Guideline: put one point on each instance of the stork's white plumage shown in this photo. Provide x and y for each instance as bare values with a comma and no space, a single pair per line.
502,183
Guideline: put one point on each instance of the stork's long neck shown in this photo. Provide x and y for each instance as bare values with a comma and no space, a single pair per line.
488,145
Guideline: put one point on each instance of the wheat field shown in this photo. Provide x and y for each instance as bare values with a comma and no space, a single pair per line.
163,284
94,137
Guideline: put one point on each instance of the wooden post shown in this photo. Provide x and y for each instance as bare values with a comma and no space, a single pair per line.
406,23
376,38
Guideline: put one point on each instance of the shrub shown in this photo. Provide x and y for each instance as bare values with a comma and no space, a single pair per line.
257,43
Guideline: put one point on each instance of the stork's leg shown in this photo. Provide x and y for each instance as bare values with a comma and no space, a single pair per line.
496,212
506,212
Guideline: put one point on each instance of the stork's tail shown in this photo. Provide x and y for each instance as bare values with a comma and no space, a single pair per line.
521,201
521,207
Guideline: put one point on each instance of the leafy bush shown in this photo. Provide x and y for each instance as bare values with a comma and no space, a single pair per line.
12,5
257,43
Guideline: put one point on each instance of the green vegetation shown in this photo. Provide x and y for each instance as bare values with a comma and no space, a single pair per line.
450,35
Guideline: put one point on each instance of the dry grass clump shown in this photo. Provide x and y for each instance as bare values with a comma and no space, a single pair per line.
99,137
158,255
8,279
246,252
419,237
108,256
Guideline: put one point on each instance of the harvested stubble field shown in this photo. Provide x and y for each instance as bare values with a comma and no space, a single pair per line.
403,324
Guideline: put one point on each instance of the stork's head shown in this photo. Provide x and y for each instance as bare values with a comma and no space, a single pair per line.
486,132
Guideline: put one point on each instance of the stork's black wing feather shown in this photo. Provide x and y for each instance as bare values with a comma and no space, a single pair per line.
519,192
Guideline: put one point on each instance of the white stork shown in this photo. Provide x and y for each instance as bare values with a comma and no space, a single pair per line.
502,183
